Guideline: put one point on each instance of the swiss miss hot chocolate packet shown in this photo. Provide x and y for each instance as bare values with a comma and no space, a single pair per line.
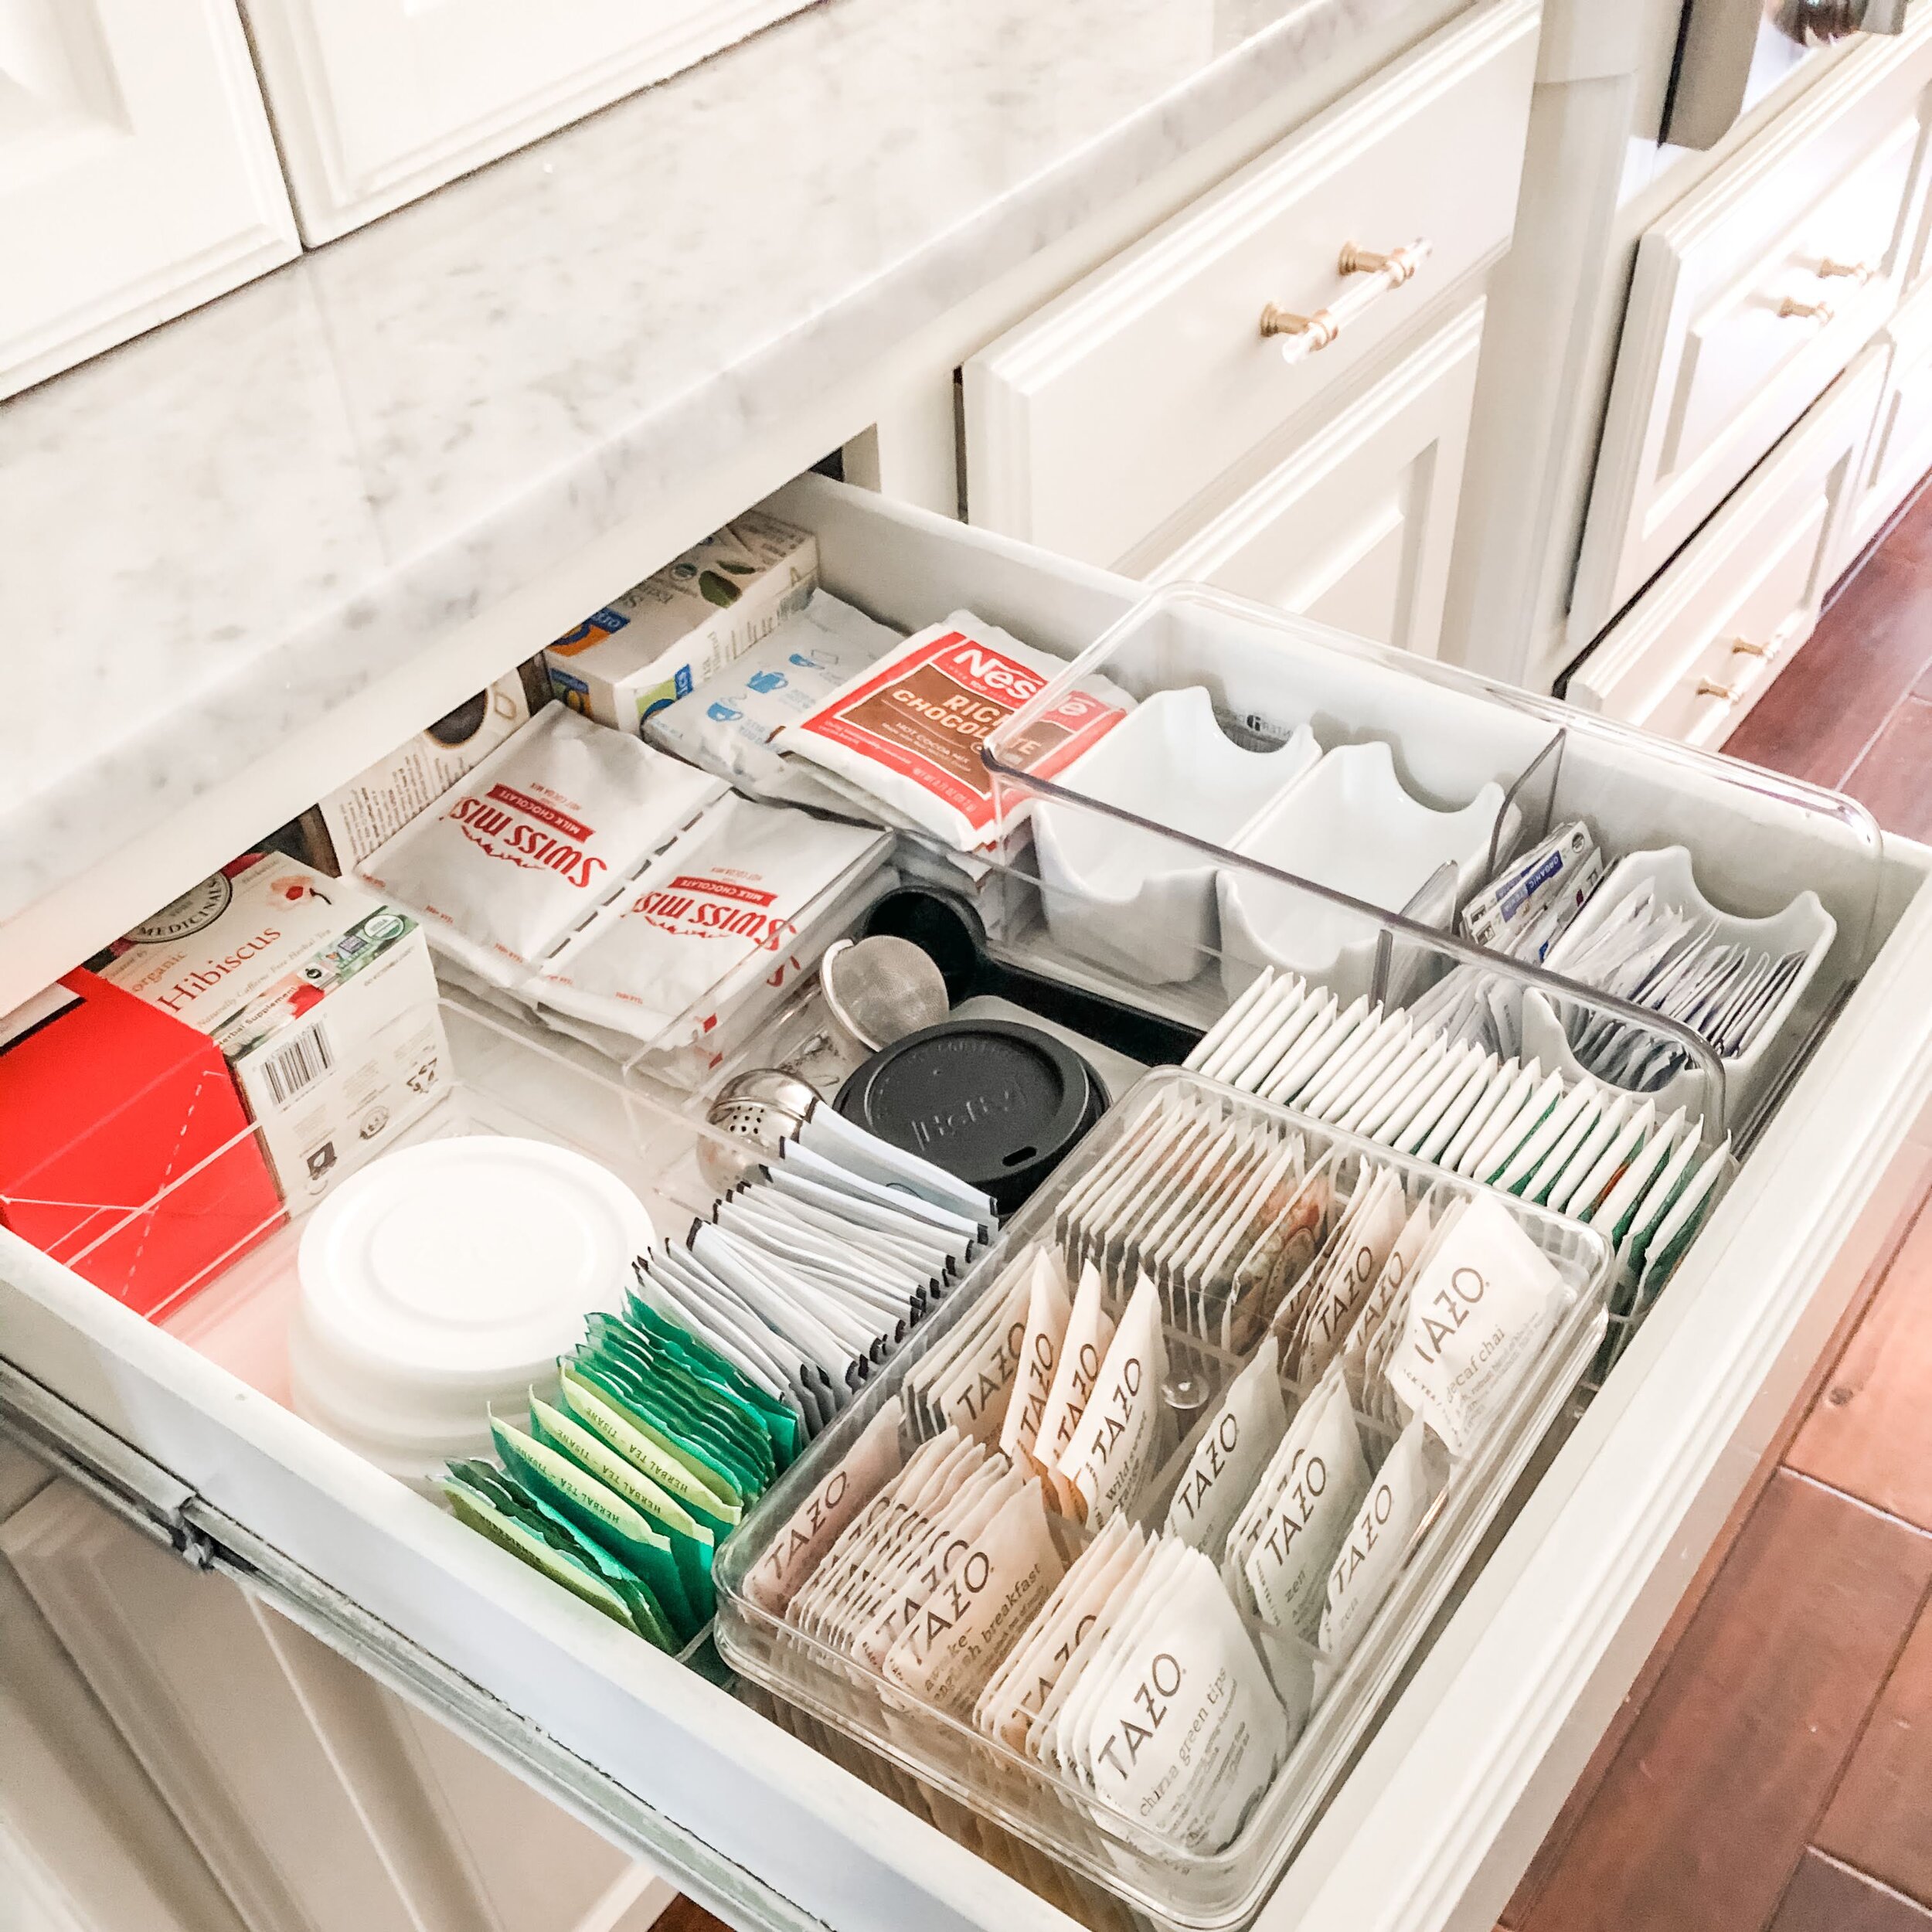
526,847
907,731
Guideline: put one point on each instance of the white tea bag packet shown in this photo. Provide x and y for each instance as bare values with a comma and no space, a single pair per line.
1679,1227
836,1499
718,913
1375,1308
1660,1198
1287,1568
1049,1308
1229,1454
828,1133
908,730
1017,1692
1613,1219
1187,1732
1210,1052
1316,1049
1220,1312
978,1386
1113,1450
1297,1011
1617,1110
1090,1333
727,723
1572,1109
929,1561
1352,1268
1474,1093
1281,1257
1364,1570
1106,1607
1509,1085
1482,1309
990,1592
1589,1193
519,852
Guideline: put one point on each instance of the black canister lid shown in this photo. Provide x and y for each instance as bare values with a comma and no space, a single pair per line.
997,1104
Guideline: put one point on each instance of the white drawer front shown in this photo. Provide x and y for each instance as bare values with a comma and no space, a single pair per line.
1354,529
1747,301
1693,655
1900,450
1092,423
748,1815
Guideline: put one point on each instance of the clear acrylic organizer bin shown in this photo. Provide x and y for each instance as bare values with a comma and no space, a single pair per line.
1284,793
1146,1870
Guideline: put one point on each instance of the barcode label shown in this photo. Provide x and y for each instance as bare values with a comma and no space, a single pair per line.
299,1064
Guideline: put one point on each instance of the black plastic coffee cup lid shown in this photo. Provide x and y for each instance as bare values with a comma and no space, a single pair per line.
996,1103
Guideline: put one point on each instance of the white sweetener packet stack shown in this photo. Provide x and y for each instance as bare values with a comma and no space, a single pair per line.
905,735
718,913
511,860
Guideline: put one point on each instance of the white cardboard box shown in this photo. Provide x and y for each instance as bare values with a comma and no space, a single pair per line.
322,998
685,622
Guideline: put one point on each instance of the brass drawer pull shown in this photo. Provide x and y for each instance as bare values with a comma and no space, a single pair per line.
1743,647
1859,272
1809,311
1304,334
1707,689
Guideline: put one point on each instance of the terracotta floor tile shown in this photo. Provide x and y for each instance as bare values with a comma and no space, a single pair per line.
1880,1818
1869,649
1870,1432
1705,1813
687,1915
1825,1897
1894,777
1909,537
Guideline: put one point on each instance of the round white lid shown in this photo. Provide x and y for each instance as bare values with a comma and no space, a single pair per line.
469,1262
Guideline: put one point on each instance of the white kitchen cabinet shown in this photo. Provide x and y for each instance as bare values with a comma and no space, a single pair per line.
1097,421
319,1800
1701,646
1471,1759
138,175
1899,452
1749,296
378,101
1354,527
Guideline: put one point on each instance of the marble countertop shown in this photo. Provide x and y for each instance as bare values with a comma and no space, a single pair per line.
244,518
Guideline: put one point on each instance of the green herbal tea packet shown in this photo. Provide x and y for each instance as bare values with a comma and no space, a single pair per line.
543,1527
501,1489
692,1543
696,1426
473,1507
705,1407
602,1403
782,1423
603,1516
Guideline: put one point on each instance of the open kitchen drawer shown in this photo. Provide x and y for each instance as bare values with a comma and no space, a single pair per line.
1472,1758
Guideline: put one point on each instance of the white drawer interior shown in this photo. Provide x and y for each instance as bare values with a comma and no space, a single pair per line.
201,1400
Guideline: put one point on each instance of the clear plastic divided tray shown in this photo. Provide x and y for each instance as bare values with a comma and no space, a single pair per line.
1149,1871
1282,793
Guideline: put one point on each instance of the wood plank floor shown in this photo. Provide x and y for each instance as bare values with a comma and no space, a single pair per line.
1771,1771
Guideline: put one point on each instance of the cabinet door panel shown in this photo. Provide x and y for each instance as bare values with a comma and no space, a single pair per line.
1355,528
1747,300
378,101
138,177
1900,451
1093,423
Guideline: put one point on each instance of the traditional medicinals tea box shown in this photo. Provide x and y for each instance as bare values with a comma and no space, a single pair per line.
321,998
685,623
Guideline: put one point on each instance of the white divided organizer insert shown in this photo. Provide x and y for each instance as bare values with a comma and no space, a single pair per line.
1403,1758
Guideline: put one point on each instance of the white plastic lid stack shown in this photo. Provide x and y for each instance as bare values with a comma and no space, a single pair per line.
444,1280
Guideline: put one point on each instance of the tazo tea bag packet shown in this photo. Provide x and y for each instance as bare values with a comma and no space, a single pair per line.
990,1593
1281,1255
718,913
1381,1299
836,1499
726,724
1090,1331
526,847
979,1386
1229,1454
1187,1731
1048,1310
1108,1601
1399,1502
1482,1307
1020,1687
1113,1450
908,730
1353,1266
1287,1568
